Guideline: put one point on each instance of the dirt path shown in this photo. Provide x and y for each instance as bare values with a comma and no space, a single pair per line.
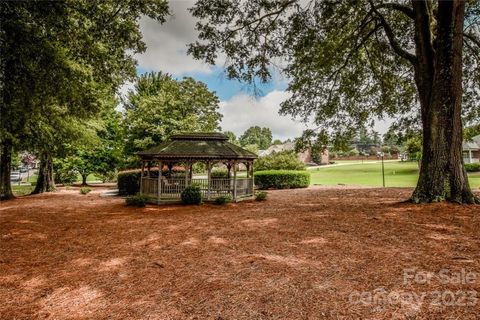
318,253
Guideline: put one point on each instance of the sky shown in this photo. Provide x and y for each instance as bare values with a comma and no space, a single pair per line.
240,106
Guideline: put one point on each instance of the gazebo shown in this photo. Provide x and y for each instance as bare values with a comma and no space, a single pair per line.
183,151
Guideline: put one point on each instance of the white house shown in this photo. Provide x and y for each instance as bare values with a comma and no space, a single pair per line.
471,150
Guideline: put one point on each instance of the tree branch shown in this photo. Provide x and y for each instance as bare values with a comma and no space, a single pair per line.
472,38
391,37
408,11
260,19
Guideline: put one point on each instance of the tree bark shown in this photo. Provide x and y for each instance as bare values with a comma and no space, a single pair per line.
45,182
442,172
84,179
5,170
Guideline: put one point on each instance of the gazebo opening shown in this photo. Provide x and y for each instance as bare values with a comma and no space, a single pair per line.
227,168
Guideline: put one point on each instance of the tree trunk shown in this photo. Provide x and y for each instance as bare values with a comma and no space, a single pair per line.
442,172
5,170
45,182
84,179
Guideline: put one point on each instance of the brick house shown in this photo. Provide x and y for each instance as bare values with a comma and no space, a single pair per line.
306,156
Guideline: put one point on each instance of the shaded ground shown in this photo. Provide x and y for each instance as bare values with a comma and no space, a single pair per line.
302,254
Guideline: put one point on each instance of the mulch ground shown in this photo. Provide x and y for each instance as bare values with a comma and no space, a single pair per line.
316,253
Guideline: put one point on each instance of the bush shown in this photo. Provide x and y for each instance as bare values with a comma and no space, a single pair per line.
85,190
261,196
286,160
138,200
282,179
472,167
223,200
219,173
192,195
128,182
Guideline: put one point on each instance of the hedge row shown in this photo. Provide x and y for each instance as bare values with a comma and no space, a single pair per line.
472,167
281,179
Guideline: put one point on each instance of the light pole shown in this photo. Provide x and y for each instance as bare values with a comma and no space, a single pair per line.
383,169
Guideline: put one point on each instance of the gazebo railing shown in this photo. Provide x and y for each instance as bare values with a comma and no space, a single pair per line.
171,188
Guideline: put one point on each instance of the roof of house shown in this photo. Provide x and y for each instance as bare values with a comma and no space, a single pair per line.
474,144
202,145
287,146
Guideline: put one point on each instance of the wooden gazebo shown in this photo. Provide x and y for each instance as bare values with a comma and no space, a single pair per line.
183,151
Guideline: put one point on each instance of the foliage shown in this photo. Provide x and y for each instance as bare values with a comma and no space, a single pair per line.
160,106
191,195
85,190
128,182
343,58
472,167
221,200
285,160
64,172
232,138
261,195
413,148
262,137
219,173
137,200
281,179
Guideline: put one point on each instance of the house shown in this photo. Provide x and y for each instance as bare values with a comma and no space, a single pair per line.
471,150
306,156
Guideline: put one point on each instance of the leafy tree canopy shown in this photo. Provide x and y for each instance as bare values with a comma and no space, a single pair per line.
160,106
262,137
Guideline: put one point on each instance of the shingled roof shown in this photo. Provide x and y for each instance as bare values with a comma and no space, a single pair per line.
198,146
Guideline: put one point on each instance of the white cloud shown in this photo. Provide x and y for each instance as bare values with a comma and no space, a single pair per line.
167,43
243,111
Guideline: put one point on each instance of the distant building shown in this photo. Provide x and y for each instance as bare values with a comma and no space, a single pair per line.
471,150
306,156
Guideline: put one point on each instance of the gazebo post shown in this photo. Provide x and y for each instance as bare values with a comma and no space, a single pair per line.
187,167
234,180
252,179
159,186
209,179
141,176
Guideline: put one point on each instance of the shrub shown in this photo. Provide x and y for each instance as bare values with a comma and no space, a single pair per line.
128,182
286,160
282,179
138,200
219,173
85,190
192,195
223,200
472,167
261,195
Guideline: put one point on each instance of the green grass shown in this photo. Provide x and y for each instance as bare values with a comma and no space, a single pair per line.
21,190
397,174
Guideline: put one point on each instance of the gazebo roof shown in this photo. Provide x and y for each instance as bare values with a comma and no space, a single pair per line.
197,146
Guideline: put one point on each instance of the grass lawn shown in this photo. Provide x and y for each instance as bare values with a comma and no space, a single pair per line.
21,190
397,174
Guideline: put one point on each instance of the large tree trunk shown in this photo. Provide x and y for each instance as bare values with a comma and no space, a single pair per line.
45,182
439,80
5,170
84,179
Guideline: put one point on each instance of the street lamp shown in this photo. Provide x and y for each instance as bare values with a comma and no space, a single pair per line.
383,168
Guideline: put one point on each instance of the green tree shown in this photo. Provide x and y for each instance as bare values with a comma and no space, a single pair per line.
63,54
262,137
351,60
160,106
232,138
286,160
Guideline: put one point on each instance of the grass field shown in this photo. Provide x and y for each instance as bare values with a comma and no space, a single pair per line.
397,174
